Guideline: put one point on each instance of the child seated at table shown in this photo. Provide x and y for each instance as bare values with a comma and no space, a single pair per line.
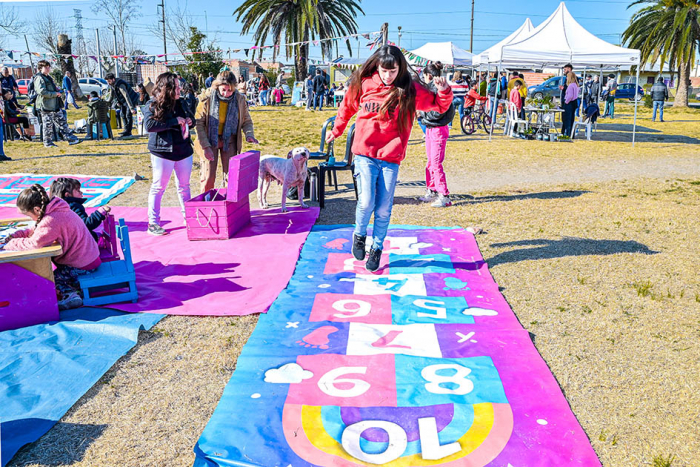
56,223
68,189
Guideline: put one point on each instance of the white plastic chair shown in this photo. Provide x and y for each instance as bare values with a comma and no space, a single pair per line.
514,119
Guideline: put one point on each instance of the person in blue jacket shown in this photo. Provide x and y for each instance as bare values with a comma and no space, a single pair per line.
68,90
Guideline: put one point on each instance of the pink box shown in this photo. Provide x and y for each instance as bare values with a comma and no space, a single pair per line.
228,209
26,299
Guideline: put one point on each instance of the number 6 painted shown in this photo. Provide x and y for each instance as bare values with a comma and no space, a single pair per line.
327,383
363,308
464,385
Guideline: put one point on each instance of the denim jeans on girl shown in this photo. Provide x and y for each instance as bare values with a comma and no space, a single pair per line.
162,170
376,183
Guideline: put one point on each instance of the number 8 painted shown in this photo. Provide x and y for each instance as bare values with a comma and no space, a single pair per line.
464,385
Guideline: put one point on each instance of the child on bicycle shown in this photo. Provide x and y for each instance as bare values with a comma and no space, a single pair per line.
385,97
473,97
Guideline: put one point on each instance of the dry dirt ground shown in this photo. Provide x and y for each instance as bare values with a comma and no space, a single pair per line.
594,244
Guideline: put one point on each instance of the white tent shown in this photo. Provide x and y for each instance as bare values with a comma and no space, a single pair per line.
445,52
559,40
493,53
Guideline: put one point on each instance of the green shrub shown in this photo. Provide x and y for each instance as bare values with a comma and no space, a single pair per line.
647,101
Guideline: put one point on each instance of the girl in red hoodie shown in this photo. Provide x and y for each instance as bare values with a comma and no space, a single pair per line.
385,98
56,223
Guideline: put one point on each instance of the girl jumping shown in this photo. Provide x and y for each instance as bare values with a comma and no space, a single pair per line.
385,98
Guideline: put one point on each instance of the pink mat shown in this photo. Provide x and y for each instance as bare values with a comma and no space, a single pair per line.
240,276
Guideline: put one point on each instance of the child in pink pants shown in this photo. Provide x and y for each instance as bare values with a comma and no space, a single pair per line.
436,133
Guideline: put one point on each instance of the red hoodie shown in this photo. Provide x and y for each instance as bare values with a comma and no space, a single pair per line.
381,138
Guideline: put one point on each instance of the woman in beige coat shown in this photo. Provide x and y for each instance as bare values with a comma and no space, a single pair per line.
222,119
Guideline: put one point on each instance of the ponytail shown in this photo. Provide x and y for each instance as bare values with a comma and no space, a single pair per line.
434,68
33,197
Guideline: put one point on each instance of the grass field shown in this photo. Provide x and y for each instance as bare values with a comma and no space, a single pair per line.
594,244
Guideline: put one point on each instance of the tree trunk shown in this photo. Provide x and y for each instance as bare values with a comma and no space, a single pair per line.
681,99
301,63
65,46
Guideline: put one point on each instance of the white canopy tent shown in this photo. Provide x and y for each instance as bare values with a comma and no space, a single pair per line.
493,53
559,40
445,52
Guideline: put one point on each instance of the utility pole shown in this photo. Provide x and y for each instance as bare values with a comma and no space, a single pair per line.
399,36
79,37
31,61
471,32
99,52
385,33
165,42
116,60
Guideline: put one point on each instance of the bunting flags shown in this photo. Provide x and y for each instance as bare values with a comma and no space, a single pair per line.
375,37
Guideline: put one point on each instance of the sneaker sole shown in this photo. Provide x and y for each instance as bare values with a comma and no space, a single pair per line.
157,234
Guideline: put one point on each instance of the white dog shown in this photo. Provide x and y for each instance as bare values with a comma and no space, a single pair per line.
288,172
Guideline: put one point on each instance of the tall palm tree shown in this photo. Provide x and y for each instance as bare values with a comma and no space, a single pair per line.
667,31
298,21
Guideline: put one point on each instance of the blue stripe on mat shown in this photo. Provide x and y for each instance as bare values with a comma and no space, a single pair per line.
45,369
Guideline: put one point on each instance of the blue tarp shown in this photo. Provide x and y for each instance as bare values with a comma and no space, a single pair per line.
45,369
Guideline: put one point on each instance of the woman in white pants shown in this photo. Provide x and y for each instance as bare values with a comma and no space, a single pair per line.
168,125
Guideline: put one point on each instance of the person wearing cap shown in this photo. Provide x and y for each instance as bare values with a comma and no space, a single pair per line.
610,89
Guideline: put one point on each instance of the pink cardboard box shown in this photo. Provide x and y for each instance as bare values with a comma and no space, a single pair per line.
219,214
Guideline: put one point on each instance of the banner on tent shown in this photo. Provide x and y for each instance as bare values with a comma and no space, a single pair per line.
423,363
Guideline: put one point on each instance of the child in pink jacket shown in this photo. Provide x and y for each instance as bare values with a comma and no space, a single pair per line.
56,223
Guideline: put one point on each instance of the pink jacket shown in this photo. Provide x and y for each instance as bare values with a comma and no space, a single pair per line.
61,225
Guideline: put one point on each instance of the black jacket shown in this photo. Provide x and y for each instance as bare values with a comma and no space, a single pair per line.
92,221
433,118
125,95
319,83
165,137
659,92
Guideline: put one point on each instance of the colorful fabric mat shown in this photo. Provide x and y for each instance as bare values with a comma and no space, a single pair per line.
423,363
98,190
45,369
239,276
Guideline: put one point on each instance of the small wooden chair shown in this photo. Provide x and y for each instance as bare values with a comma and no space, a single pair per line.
111,276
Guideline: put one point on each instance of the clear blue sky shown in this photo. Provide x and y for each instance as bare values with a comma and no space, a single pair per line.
493,20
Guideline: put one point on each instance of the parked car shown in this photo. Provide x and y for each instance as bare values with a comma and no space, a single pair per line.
547,88
626,91
22,85
87,85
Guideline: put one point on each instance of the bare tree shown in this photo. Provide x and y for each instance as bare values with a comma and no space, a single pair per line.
46,28
178,30
121,12
10,21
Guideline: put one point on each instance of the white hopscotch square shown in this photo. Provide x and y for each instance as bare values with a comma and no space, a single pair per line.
411,339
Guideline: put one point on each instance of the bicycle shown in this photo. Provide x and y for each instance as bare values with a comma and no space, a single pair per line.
472,118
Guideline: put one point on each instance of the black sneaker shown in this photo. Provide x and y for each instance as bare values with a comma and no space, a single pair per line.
155,229
375,257
358,247
3,157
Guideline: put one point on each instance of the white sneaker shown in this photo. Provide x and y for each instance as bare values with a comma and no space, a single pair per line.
429,196
72,300
442,201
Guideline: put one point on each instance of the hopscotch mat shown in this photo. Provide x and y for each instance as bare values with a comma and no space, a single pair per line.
98,190
423,363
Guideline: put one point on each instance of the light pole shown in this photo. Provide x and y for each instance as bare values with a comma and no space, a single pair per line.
471,32
399,36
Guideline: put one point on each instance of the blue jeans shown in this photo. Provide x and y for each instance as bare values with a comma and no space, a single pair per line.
494,107
658,105
263,97
376,183
318,100
2,138
459,104
420,124
578,107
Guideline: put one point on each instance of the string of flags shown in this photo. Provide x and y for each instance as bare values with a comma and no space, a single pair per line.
420,61
151,58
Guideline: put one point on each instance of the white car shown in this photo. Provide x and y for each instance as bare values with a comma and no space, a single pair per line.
87,85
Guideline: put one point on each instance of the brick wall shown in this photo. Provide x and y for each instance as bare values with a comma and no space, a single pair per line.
150,71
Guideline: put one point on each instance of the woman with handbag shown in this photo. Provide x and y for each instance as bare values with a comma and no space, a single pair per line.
222,120
169,142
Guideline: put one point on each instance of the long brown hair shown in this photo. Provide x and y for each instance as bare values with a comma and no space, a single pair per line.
33,197
164,100
401,96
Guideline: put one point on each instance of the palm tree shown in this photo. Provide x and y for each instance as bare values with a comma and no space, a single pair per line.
298,21
667,31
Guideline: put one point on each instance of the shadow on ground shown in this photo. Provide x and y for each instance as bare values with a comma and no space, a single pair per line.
567,246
